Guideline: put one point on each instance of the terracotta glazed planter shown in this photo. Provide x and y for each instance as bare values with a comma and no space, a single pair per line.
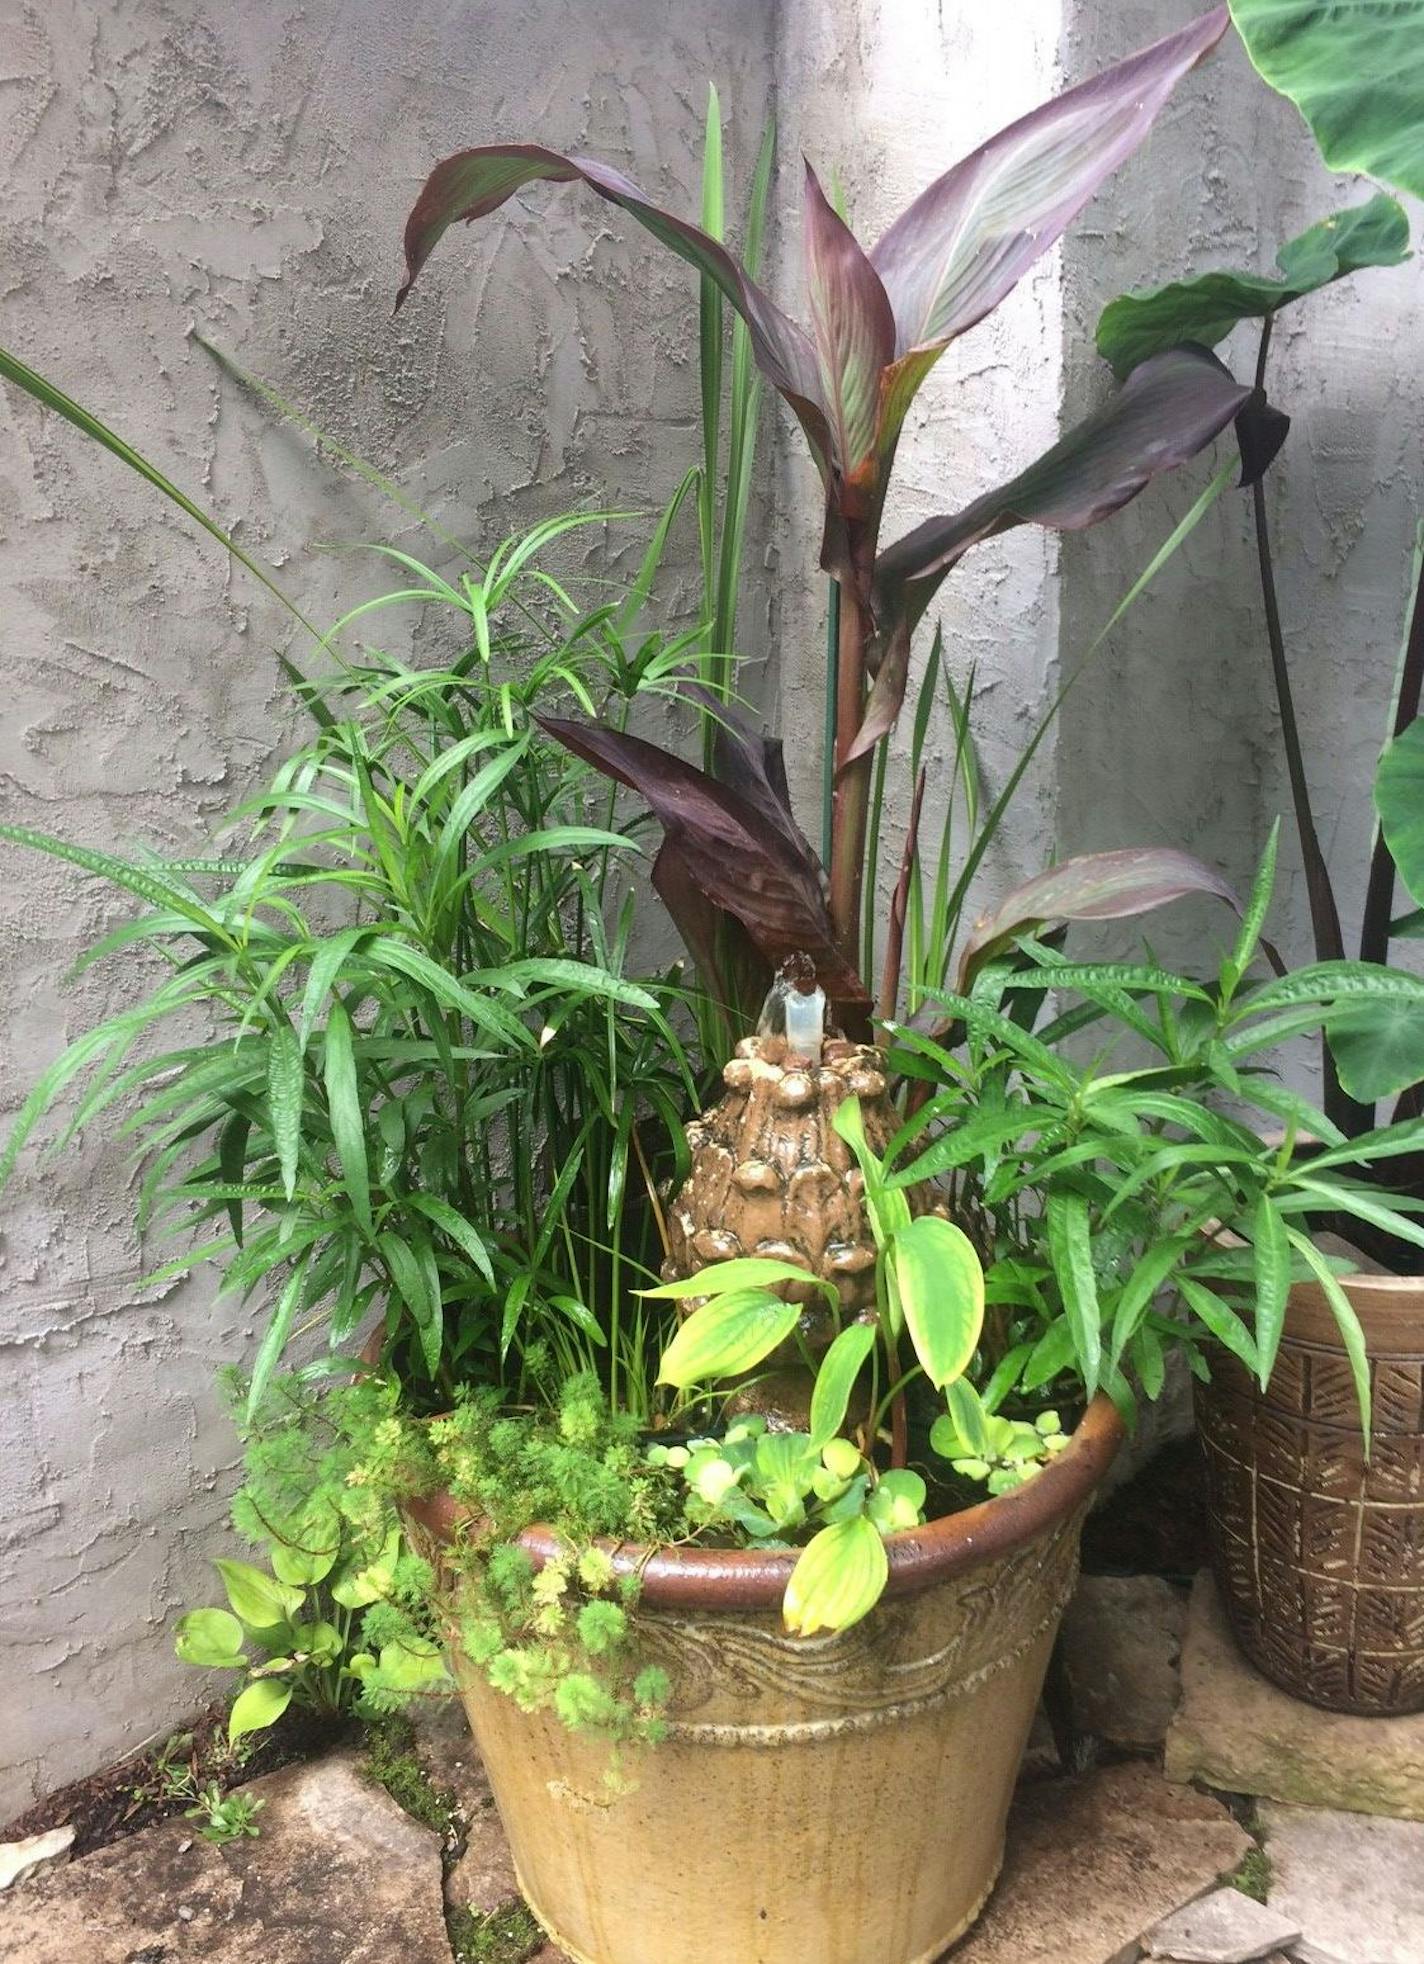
825,1800
1318,1553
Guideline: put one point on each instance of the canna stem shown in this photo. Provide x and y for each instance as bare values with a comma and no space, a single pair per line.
850,807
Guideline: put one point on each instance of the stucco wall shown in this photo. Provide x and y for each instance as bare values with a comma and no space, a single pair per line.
1172,735
247,170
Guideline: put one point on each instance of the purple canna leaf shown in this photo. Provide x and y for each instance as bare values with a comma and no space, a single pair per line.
1168,409
1095,886
727,848
950,258
854,331
473,183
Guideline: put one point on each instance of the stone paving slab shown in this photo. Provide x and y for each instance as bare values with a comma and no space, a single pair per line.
1122,1643
1224,1927
1354,1884
338,1875
1092,1862
1236,1731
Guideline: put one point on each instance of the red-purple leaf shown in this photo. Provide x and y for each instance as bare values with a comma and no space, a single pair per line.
473,183
1096,886
723,846
958,249
853,327
1166,411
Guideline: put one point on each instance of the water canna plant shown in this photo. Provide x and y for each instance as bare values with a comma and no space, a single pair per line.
734,867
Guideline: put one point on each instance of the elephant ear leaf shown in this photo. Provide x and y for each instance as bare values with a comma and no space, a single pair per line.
1399,800
1205,309
722,852
1355,71
1095,886
1167,410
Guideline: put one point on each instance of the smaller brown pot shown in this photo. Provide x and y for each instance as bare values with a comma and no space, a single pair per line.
1318,1551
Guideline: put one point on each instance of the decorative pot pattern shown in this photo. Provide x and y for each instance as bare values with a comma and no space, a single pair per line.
1319,1553
883,1755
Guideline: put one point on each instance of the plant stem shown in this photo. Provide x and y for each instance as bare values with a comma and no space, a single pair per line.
1379,893
1324,913
828,744
851,796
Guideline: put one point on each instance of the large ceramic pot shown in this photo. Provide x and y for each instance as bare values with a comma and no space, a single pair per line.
827,1800
1318,1551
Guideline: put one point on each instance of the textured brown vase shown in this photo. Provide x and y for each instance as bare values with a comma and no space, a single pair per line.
1320,1554
826,1800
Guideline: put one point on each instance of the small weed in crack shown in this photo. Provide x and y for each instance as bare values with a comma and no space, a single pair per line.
391,1761
506,1936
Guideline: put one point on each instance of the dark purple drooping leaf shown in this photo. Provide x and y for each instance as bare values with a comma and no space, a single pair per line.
1261,429
1167,410
473,183
726,848
1095,886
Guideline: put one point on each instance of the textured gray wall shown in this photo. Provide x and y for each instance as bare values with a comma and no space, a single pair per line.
1172,735
247,170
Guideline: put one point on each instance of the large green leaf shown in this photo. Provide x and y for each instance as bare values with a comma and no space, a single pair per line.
1205,309
1355,71
727,1336
1399,800
941,1290
1378,1048
839,1577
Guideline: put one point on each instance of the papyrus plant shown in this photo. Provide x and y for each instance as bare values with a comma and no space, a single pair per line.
876,323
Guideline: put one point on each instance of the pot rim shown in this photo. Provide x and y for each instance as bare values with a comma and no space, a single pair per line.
745,1578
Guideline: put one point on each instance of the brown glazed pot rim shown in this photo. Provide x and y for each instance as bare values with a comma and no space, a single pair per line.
745,1578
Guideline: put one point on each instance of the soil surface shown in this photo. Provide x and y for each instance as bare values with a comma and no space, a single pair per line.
164,1779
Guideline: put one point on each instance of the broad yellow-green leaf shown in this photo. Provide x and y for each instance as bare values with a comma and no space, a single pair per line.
839,1577
727,1278
260,1705
258,1600
210,1638
726,1337
941,1291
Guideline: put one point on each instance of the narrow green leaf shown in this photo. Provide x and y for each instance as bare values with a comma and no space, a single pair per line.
1348,1323
1222,1321
411,1278
460,1231
343,1100
286,1086
1272,1272
835,1380
274,1340
1070,1249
